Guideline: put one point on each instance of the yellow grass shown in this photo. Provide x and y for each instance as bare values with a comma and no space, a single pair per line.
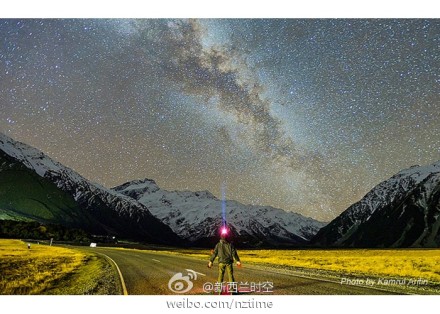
35,271
403,263
408,263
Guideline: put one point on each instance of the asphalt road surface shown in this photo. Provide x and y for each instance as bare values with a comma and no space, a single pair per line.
149,273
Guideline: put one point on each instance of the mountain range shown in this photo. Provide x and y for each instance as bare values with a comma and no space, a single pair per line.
197,216
35,187
402,211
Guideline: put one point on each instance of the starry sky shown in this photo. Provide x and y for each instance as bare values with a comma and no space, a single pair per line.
301,114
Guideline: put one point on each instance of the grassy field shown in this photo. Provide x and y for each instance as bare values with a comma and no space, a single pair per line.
59,270
25,195
375,263
47,269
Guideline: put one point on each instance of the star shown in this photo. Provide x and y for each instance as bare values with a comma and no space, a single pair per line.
306,115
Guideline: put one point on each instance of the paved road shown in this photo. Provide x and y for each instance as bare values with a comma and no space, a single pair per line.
148,273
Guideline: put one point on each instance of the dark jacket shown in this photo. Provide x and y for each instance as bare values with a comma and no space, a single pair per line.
226,253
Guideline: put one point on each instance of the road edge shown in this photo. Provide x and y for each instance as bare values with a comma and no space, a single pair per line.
121,278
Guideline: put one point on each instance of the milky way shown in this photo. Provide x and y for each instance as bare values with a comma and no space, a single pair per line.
304,115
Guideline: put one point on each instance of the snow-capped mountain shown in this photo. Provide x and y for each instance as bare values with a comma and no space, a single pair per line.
93,207
197,216
402,211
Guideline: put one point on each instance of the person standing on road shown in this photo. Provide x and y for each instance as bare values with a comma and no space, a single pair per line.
226,253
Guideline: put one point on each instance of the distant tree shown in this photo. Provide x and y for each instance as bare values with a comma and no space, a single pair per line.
36,230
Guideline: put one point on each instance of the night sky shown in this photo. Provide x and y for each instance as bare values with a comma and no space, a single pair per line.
305,115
